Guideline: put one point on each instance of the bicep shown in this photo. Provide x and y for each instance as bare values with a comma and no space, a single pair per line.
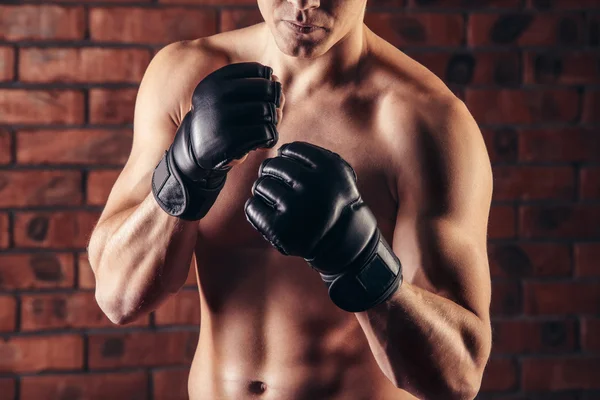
441,228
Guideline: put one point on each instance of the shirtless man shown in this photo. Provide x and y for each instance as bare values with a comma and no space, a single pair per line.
410,224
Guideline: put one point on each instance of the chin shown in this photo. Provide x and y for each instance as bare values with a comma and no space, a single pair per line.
299,49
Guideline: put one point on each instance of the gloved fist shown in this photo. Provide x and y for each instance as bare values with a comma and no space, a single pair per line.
306,203
233,112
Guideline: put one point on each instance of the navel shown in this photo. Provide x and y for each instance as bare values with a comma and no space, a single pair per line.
257,387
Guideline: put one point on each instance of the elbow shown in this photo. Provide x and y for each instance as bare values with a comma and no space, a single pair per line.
465,390
461,383
465,383
458,390
114,308
110,299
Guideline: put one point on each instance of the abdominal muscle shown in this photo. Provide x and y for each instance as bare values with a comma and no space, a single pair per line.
269,331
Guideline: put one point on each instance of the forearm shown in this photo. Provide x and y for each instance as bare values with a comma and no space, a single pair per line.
427,344
139,256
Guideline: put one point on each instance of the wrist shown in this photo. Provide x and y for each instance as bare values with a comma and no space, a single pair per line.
182,197
370,280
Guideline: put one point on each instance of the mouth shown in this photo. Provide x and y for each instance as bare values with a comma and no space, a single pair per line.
302,28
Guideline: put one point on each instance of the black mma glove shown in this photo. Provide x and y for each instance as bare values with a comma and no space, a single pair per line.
306,203
233,112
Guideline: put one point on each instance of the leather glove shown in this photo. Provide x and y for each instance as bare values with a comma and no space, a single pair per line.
306,204
233,112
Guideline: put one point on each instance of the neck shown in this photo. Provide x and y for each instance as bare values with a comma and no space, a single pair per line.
337,66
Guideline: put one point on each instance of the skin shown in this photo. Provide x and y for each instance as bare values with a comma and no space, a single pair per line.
268,327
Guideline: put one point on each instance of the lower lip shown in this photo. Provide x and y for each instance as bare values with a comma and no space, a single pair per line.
303,30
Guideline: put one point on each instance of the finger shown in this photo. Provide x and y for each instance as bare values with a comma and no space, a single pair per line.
272,190
314,156
250,113
288,170
247,138
306,153
259,214
242,70
251,89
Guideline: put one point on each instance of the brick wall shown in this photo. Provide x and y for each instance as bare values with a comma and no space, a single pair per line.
529,70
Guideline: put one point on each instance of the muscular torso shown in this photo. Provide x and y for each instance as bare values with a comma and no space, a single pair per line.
268,327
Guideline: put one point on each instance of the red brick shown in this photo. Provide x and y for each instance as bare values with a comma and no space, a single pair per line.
590,335
563,4
587,259
39,188
94,386
41,353
463,4
533,183
61,311
572,68
506,299
41,22
51,106
500,374
508,106
112,106
64,229
501,222
8,388
593,32
521,337
462,68
5,146
93,65
74,146
529,259
4,232
86,275
151,25
232,18
591,105
499,68
36,271
576,221
589,178
560,373
560,298
146,349
8,313
180,309
525,29
559,145
417,29
171,384
99,185
502,144
7,63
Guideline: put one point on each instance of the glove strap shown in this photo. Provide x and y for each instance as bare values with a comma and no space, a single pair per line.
372,283
179,196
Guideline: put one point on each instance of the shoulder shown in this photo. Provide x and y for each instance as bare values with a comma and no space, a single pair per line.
177,68
175,71
430,132
409,94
